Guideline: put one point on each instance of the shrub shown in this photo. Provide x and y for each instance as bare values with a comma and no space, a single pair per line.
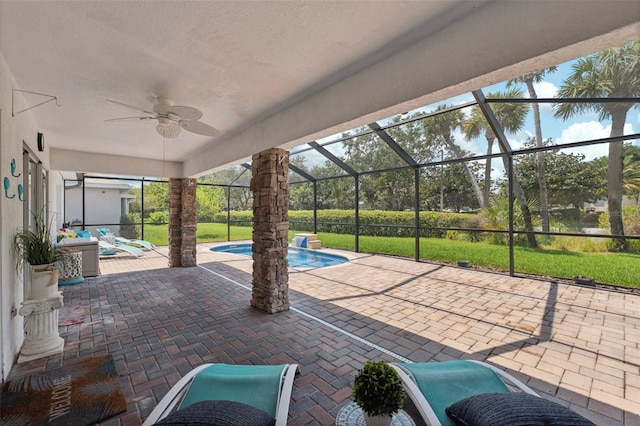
377,223
474,221
158,217
128,227
377,389
631,224
630,220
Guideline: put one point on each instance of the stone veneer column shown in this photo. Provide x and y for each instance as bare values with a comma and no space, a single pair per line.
182,222
270,186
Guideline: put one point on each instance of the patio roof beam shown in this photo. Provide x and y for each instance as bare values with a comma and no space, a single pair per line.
562,100
338,162
348,136
600,141
498,131
393,144
430,114
495,125
301,172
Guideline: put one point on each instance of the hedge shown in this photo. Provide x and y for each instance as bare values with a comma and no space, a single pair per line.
379,223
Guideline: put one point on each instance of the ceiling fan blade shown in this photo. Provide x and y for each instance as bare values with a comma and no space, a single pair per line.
169,131
200,128
130,118
185,113
129,106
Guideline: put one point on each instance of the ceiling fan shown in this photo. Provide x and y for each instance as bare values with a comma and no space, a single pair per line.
171,119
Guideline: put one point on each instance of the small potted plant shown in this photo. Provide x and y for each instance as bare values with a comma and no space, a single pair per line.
35,252
378,391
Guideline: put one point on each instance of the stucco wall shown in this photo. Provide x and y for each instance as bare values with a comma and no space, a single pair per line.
13,132
102,205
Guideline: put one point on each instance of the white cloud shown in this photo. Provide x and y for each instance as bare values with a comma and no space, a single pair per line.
517,140
544,89
589,130
584,131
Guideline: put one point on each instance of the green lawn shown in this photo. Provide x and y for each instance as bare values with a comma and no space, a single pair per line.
611,268
206,232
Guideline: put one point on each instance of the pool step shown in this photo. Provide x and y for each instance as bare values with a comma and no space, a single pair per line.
314,244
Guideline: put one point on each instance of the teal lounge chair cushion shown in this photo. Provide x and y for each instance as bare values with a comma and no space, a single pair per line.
218,413
257,386
512,409
443,383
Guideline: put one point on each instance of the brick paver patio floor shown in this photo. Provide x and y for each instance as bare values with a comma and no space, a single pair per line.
576,345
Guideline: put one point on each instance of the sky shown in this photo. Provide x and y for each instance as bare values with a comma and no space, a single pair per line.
581,127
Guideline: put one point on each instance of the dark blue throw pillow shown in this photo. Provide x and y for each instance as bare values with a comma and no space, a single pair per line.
512,409
218,413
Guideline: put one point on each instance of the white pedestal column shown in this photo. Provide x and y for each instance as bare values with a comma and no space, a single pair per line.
41,328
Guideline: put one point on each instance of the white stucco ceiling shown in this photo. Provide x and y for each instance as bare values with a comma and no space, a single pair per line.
271,73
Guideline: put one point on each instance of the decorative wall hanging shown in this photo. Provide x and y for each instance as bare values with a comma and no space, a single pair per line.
13,99
13,168
7,185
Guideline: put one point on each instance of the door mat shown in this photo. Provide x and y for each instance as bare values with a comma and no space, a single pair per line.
80,394
69,315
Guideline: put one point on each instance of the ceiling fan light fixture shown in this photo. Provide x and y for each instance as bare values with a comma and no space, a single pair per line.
170,130
171,119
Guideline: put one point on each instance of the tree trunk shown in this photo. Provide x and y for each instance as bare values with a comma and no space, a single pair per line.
487,170
614,180
524,207
472,179
542,180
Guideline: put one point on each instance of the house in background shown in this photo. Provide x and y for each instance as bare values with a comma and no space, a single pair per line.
600,206
106,200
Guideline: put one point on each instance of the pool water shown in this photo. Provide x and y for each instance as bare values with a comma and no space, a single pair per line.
298,258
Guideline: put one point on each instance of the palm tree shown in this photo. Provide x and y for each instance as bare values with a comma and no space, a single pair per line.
529,80
631,177
611,73
442,126
511,116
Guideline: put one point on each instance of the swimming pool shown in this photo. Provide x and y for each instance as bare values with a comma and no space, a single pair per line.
298,258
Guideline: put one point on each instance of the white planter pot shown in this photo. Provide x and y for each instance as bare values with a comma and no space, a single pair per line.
377,420
71,268
42,282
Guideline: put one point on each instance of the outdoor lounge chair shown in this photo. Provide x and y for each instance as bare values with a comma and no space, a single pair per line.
109,237
145,245
107,249
434,386
263,387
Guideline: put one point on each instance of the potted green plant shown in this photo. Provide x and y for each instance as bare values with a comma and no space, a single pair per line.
378,391
36,254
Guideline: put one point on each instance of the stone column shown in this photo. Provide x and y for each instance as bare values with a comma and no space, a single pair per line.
270,186
182,222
